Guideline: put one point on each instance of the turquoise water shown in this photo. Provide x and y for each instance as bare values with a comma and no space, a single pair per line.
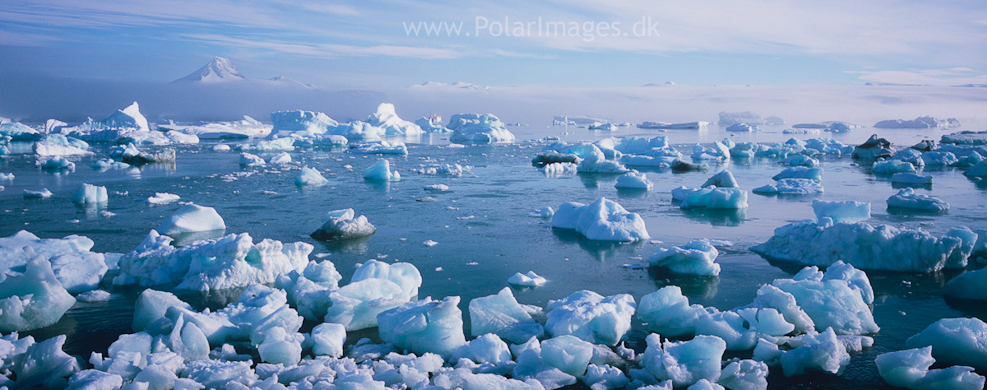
483,230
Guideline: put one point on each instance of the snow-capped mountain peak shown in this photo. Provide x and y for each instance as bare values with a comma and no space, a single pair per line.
218,70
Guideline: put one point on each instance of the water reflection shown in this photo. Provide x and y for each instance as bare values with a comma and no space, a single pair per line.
596,180
599,250
183,239
717,217
631,193
693,286
355,246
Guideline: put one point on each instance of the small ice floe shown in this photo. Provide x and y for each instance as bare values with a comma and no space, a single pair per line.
908,199
695,258
93,296
544,212
381,171
162,198
430,243
603,220
437,188
527,279
310,177
906,179
634,180
43,194
344,225
90,194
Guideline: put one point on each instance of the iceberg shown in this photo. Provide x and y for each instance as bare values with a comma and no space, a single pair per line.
742,127
478,128
978,170
44,365
60,145
251,160
634,180
733,118
911,179
684,363
922,122
32,299
790,187
591,317
799,173
424,326
837,300
888,167
231,261
710,198
271,145
303,123
18,132
131,155
76,268
501,314
41,194
906,198
871,247
695,258
910,369
939,158
965,138
841,211
192,218
431,124
310,177
343,225
874,149
527,279
724,179
280,159
567,353
375,288
969,285
387,120
668,312
379,147
381,171
90,194
242,129
162,198
960,341
816,352
127,125
603,220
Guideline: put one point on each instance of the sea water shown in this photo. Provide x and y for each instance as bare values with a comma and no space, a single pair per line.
483,231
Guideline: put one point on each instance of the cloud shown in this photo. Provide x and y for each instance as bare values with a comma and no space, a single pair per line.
325,50
937,77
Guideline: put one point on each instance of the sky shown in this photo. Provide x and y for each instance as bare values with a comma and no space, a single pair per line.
571,43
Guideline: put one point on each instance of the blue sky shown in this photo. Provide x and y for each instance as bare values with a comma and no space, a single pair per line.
367,44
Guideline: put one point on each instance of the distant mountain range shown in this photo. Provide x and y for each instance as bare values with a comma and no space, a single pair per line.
223,71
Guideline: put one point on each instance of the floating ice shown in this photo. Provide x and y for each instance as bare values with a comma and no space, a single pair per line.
280,158
487,348
44,365
424,326
131,155
59,163
76,268
437,188
821,351
873,149
591,317
695,258
686,362
800,173
939,158
960,341
32,299
911,179
978,170
906,198
710,198
668,312
880,247
328,339
270,145
251,160
310,290
841,211
603,126
724,179
43,194
379,147
528,279
544,212
310,177
800,160
922,122
431,124
888,167
634,180
242,129
304,123
105,164
567,353
94,296
18,132
969,285
833,302
231,261
742,128
375,287
502,315
192,218
152,305
478,128
381,171
744,375
90,194
343,225
386,119
732,118
60,145
910,369
966,138
601,220
163,198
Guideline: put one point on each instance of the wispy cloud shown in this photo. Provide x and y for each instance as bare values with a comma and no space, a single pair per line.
938,77
325,49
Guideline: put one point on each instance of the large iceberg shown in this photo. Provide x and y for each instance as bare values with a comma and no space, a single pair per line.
304,123
922,122
603,220
242,129
231,261
60,145
478,128
880,247
955,341
386,119
127,125
381,171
